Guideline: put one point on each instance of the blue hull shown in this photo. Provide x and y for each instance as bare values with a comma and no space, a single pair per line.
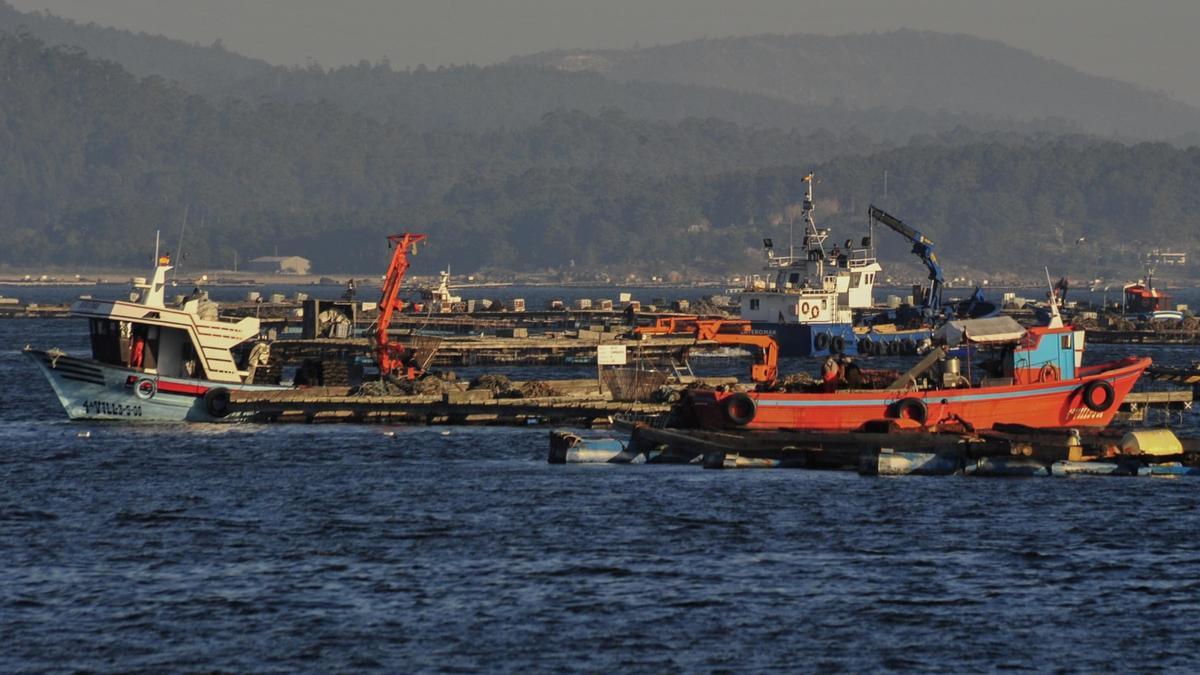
810,339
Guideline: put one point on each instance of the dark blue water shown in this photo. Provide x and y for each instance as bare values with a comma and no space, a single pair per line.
344,548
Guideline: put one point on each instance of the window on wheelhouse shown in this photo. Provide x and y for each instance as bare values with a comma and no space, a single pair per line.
108,344
155,349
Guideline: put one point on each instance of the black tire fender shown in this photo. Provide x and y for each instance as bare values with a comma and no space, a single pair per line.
821,341
739,409
216,402
837,344
865,345
910,407
1088,393
908,346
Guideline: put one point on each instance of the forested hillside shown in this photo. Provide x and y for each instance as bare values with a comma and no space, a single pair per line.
95,160
921,70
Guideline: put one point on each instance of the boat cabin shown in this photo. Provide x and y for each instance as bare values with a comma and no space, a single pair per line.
184,340
1013,354
1144,299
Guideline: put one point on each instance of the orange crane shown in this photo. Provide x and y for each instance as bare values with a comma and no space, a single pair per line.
734,332
393,359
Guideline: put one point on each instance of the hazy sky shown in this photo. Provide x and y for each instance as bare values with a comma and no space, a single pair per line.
1149,42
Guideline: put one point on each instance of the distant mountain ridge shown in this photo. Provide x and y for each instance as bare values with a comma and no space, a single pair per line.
480,98
921,70
202,69
891,85
489,97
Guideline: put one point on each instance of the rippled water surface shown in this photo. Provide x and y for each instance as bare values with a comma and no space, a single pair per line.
341,547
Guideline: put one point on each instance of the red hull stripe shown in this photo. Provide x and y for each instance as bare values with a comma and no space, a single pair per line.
173,387
182,389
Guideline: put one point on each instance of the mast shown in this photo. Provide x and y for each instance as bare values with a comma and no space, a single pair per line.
814,249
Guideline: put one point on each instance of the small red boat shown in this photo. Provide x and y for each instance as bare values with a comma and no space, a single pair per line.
1033,377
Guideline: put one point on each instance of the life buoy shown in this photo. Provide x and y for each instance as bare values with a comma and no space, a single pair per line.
145,388
739,409
1048,373
865,345
216,401
837,344
1089,395
911,408
821,341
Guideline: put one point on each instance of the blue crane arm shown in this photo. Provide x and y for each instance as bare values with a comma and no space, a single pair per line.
922,247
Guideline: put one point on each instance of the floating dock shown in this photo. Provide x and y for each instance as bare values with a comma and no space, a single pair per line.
1006,451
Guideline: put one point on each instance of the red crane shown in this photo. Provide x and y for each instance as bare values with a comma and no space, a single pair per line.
726,332
392,357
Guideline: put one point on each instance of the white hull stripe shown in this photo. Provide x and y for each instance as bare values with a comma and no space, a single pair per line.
963,398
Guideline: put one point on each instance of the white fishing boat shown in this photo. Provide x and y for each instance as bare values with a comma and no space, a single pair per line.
809,302
441,299
156,361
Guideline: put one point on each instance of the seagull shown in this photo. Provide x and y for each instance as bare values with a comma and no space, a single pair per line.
1080,240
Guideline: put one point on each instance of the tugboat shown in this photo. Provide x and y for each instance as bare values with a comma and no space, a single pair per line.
154,361
808,302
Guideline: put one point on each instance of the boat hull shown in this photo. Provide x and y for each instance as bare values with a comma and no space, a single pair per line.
1044,405
91,390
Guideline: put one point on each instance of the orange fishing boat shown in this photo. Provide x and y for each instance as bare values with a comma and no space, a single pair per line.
1033,377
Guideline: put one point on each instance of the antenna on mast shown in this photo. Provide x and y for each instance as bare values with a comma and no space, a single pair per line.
1055,317
179,244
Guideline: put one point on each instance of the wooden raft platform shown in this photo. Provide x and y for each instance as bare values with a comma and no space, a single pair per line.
1187,376
34,311
553,350
1139,405
1160,336
461,352
338,405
